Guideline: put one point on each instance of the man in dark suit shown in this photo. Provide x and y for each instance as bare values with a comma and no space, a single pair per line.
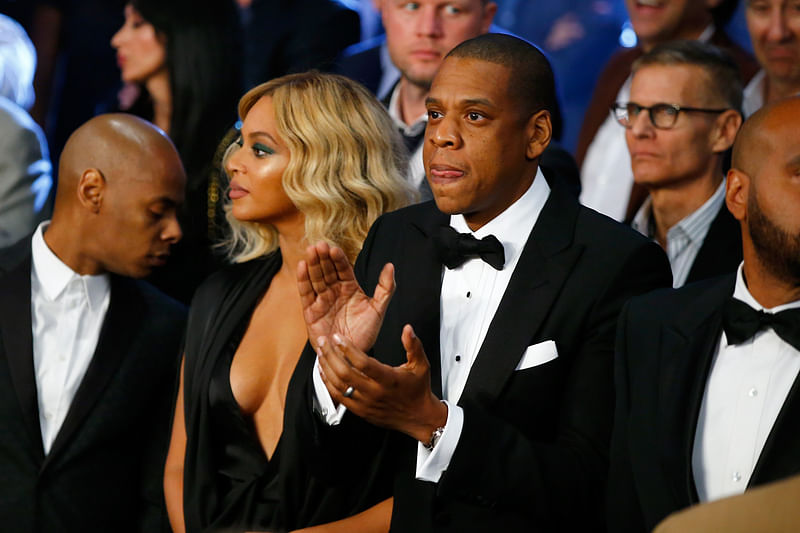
517,327
601,154
681,120
88,357
707,395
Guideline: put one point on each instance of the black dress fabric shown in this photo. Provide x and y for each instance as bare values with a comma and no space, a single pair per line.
229,483
246,480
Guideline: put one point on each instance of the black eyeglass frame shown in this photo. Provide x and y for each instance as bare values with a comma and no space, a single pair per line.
651,110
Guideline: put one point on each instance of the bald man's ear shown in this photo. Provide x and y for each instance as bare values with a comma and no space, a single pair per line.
737,191
91,189
725,130
539,132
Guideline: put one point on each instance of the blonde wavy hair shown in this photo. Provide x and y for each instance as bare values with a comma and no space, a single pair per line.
347,163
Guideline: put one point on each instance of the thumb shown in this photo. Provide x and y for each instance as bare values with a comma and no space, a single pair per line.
415,353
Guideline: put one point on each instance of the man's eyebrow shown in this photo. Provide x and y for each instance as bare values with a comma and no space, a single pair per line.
477,101
463,103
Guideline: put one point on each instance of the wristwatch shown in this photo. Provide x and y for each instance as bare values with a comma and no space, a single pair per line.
435,436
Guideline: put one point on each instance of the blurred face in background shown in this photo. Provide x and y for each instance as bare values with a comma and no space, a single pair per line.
419,34
141,51
774,27
658,21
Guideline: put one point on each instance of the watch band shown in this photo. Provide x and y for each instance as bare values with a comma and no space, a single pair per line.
435,436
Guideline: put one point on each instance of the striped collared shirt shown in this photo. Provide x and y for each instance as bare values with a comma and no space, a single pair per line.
685,238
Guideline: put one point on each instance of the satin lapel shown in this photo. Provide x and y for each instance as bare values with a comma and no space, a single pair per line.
121,324
17,343
423,274
543,267
781,454
687,348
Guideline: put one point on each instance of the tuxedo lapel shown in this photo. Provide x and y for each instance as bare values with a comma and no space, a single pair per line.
17,343
543,267
424,273
121,324
687,348
779,457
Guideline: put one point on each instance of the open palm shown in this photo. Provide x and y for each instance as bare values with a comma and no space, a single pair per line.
333,301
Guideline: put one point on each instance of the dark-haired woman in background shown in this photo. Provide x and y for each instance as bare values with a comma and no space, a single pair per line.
184,58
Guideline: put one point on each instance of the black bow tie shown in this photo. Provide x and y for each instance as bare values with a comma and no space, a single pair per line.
741,322
455,248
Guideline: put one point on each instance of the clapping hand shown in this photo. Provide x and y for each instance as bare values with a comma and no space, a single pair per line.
333,301
398,398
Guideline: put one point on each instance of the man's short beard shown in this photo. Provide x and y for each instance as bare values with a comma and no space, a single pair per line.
422,83
777,249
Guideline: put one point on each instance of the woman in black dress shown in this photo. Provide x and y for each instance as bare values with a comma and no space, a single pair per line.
182,61
317,159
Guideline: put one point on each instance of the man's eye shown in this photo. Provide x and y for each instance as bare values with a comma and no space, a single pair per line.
472,115
411,6
450,9
433,115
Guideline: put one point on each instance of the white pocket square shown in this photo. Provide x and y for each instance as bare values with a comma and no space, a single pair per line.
538,354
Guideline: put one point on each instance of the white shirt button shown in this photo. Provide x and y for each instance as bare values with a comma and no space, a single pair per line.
737,477
753,392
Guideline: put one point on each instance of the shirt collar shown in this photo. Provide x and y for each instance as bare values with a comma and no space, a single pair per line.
707,34
754,93
741,292
54,276
694,226
513,226
394,111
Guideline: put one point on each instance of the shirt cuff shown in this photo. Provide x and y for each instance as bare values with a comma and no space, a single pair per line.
432,464
323,403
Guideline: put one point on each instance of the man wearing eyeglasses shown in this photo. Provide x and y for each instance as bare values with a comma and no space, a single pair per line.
681,120
707,401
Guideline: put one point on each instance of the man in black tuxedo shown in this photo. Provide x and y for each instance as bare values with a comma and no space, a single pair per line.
89,357
707,395
518,336
681,120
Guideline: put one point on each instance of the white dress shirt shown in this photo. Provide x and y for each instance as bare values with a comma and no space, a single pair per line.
416,169
685,238
746,388
469,299
606,175
67,313
755,93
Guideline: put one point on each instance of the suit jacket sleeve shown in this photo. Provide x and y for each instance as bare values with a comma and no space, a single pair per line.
24,166
560,482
